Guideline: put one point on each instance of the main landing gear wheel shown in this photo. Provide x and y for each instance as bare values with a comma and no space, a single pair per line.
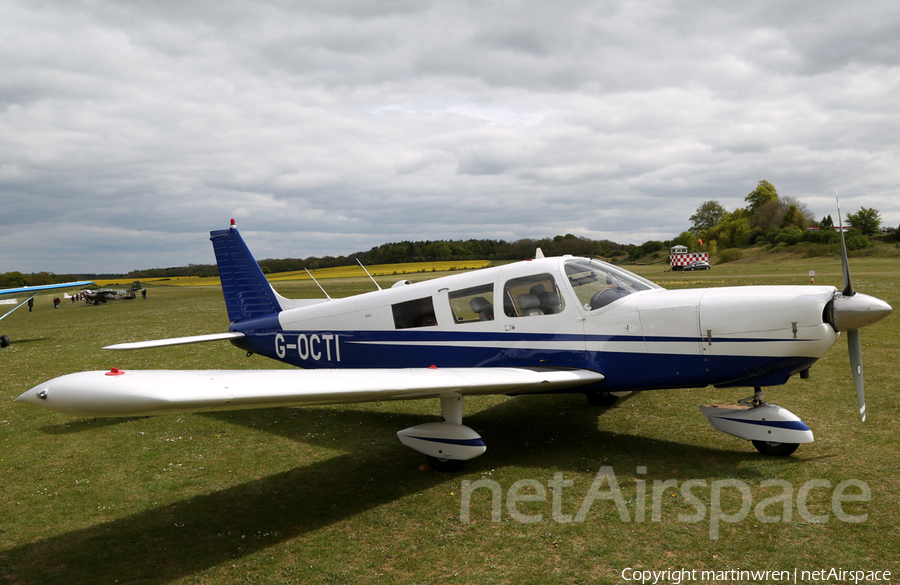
767,447
604,399
445,465
773,430
775,449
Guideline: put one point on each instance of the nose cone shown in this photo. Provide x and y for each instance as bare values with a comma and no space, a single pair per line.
857,311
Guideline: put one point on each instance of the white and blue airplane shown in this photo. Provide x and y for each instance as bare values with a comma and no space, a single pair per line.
546,325
30,292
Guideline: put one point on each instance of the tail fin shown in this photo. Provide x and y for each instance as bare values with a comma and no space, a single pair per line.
247,292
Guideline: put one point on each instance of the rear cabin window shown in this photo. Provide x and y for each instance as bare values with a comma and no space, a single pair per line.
532,295
473,304
417,313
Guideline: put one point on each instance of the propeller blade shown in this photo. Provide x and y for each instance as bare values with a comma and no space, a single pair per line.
848,287
855,347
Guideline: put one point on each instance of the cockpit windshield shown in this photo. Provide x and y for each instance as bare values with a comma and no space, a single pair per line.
597,284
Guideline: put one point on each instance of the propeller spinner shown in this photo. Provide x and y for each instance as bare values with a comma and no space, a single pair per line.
850,312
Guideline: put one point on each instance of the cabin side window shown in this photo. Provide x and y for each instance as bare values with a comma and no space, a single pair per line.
473,304
532,295
417,313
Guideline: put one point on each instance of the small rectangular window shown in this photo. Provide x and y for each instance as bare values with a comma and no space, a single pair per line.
417,313
473,304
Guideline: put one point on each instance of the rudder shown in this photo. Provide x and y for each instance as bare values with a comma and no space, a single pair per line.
248,293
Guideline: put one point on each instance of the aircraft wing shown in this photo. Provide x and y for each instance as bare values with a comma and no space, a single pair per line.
39,288
143,392
32,291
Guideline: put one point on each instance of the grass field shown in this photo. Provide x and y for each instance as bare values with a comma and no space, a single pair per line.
329,495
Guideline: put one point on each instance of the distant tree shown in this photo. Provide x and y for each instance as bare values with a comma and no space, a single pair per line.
802,208
764,193
856,240
395,254
439,251
771,214
13,279
686,239
41,278
793,217
867,220
731,232
707,215
826,222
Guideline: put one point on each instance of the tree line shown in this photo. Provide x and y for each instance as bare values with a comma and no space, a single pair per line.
389,253
768,218
773,219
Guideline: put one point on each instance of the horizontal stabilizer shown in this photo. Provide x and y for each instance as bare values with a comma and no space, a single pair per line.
176,341
142,392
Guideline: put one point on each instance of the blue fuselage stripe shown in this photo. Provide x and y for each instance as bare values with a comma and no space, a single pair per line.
624,359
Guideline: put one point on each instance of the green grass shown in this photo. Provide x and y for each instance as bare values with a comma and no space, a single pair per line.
329,495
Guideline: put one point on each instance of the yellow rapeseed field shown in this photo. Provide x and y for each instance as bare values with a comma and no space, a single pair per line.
321,274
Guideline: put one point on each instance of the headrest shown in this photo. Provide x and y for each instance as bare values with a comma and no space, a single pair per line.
529,301
549,299
479,304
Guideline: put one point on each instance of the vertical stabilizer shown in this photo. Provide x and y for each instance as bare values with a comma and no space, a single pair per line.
247,292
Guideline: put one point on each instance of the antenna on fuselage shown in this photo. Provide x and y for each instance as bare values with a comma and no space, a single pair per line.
367,274
317,283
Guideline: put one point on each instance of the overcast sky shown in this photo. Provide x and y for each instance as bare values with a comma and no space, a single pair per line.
128,130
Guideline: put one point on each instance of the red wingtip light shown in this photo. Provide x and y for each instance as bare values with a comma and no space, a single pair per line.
432,367
115,372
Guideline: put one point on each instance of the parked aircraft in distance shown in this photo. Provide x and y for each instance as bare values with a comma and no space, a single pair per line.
104,295
31,292
547,325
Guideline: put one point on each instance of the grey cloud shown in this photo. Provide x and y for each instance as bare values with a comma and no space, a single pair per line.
330,127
